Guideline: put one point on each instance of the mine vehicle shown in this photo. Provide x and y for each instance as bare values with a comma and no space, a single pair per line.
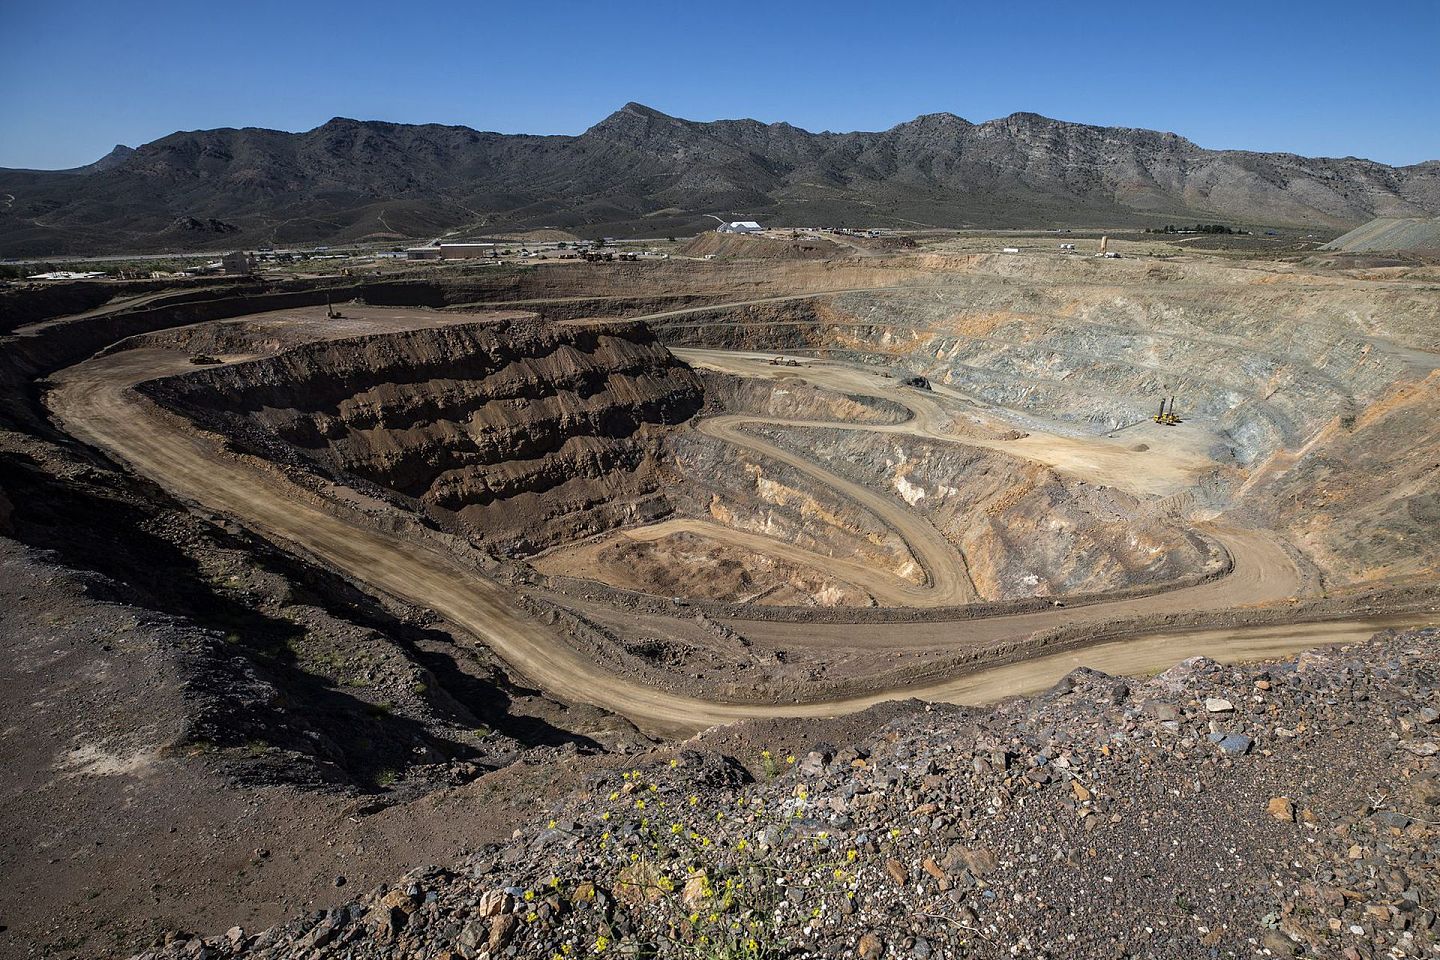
1167,418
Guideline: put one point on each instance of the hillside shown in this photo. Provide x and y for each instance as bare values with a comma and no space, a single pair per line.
1211,811
640,172
1390,233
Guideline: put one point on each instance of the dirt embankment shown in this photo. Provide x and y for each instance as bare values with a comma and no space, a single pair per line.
28,303
1023,530
704,561
522,433
1267,365
728,246
748,529
1419,234
794,398
50,335
1363,500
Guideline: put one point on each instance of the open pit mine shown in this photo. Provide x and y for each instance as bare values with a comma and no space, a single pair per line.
765,606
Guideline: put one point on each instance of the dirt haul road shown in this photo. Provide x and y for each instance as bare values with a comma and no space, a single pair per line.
1161,469
946,576
95,403
1262,571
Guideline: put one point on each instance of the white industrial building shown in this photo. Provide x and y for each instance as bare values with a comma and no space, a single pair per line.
67,275
739,226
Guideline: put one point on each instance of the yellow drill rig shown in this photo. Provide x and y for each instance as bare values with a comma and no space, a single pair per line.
1164,417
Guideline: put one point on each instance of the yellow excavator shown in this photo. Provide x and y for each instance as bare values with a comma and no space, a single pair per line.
1164,417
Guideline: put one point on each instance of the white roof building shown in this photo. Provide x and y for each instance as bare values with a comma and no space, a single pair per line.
66,275
739,226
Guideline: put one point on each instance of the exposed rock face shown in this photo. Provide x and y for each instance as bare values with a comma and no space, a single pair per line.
795,399
737,489
1023,530
1376,522
518,431
1270,366
111,160
641,171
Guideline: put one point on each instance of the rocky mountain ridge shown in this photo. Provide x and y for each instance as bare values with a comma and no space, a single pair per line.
640,172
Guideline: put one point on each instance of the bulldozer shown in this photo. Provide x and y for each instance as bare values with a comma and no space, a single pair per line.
1165,417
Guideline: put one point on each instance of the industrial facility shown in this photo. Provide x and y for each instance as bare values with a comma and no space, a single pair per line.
452,251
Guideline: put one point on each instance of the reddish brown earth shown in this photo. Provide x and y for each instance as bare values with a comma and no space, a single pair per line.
296,601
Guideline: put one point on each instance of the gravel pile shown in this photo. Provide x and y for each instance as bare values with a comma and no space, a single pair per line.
1283,809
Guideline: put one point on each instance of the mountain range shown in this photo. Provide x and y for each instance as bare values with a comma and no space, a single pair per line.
640,172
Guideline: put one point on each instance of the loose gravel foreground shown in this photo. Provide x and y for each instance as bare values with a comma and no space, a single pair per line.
1212,811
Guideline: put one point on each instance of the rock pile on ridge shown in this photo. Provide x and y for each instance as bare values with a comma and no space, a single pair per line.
1271,810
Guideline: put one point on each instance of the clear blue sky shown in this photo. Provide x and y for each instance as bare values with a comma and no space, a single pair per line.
1317,77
